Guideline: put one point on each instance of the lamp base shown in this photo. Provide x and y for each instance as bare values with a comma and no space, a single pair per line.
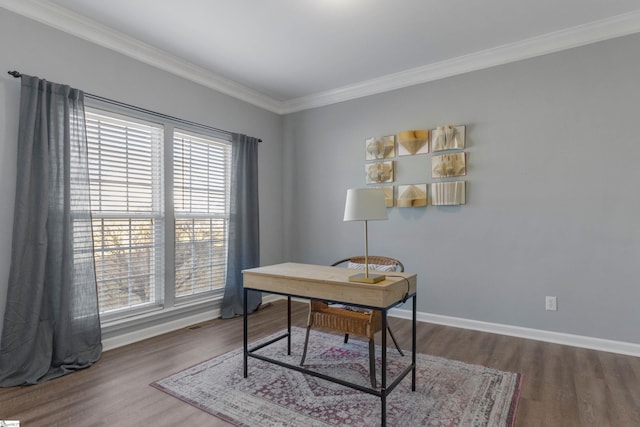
362,278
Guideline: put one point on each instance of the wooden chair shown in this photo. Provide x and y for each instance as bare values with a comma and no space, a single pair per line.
352,320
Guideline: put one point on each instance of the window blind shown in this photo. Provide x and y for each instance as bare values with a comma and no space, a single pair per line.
201,172
125,171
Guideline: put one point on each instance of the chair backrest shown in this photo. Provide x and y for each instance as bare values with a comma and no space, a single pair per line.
374,260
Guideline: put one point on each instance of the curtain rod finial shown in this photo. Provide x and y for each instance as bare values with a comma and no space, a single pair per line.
15,74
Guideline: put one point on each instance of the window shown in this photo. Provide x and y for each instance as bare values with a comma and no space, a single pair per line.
201,168
125,173
131,212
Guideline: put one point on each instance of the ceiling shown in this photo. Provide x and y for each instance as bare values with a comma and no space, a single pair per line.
288,55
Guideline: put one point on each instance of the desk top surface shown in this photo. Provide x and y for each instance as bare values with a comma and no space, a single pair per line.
331,283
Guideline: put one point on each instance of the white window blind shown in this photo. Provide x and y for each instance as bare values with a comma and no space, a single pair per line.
201,171
126,176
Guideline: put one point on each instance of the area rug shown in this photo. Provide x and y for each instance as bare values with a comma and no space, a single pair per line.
448,392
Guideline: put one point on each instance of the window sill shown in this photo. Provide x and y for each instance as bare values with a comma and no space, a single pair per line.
157,321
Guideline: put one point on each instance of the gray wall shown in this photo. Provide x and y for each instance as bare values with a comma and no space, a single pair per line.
552,186
552,153
35,49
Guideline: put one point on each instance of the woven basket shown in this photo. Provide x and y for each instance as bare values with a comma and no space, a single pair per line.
346,321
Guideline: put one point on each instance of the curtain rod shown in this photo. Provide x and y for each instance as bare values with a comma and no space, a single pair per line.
18,74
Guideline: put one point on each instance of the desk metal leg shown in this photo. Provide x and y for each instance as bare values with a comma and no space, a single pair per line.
413,346
289,325
383,390
245,342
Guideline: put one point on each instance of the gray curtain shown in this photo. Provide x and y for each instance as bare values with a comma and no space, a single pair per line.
51,323
244,227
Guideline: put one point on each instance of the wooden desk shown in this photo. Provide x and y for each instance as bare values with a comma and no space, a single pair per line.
331,284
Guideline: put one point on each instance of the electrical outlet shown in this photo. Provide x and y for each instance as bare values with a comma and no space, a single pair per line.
551,303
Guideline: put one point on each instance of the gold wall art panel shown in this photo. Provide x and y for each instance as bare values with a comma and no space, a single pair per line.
412,142
382,147
448,193
447,165
411,196
388,195
448,137
379,172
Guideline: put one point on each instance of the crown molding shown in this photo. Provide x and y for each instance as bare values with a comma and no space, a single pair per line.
581,35
64,20
72,23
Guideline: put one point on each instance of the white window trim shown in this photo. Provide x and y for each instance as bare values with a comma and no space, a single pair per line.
205,305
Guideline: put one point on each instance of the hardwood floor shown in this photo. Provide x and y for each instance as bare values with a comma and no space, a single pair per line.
562,386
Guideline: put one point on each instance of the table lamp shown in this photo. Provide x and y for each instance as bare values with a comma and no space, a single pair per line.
365,204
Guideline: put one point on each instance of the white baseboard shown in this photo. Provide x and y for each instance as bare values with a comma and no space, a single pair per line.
611,346
620,347
155,330
165,327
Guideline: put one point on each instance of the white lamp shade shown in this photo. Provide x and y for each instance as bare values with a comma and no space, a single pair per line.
365,204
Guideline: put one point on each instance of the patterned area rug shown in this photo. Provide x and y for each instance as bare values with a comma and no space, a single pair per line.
448,393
